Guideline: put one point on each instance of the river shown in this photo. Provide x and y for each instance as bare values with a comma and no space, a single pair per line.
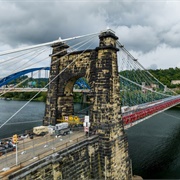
154,145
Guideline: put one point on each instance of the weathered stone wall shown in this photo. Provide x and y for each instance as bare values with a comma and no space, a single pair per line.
79,161
59,50
67,69
100,68
106,111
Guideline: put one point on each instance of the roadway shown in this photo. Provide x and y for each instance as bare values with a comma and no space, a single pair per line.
14,89
31,150
139,113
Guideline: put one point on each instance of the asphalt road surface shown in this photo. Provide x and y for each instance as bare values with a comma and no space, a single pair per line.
30,150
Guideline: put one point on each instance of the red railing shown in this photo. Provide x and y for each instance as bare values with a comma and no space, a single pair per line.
138,114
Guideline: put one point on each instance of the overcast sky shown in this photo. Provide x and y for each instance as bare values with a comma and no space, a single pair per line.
149,29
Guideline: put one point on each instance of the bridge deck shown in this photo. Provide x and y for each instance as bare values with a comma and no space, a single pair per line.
31,150
142,112
12,89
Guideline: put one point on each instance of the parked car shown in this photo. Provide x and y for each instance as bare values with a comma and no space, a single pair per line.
23,136
6,148
4,141
2,150
7,141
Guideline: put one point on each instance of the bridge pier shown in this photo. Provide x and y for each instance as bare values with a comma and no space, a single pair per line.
106,111
99,67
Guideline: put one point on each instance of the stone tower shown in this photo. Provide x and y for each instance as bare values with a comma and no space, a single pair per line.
99,67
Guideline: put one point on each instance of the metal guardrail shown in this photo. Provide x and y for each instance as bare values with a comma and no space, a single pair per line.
12,89
32,151
4,90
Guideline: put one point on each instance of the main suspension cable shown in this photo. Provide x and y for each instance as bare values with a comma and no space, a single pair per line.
42,88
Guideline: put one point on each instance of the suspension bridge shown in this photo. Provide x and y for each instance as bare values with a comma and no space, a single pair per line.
142,95
117,84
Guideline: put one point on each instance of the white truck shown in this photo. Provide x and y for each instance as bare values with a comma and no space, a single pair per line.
59,129
51,130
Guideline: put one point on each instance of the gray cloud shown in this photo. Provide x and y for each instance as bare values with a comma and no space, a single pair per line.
40,22
141,26
153,66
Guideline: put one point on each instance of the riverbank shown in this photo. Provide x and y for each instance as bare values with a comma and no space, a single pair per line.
25,96
135,177
41,97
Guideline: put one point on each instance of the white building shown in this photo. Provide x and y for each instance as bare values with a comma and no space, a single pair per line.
175,82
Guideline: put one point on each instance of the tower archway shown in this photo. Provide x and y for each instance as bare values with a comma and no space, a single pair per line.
99,67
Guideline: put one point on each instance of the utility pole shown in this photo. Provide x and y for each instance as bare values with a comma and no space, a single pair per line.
105,167
15,141
16,155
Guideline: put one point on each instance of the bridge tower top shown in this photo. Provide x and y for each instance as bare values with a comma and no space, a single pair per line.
107,39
